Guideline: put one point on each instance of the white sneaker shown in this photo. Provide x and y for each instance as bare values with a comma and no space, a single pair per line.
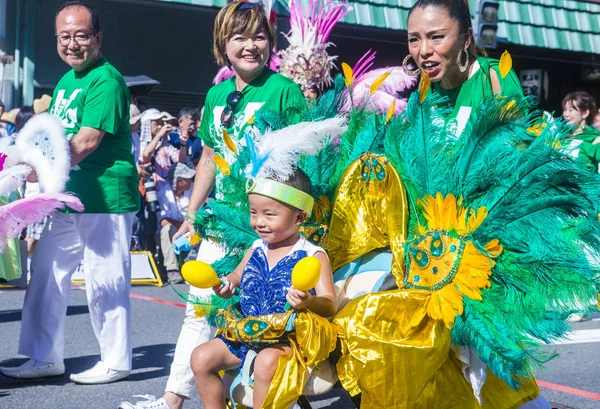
100,373
33,369
150,402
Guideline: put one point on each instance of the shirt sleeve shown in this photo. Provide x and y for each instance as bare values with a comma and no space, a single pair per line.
510,85
105,108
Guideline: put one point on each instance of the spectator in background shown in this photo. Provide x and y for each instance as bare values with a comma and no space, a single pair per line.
24,115
188,127
160,151
7,121
42,104
579,110
596,123
135,121
174,199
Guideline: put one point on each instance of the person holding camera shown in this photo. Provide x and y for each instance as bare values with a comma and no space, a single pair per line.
174,199
162,153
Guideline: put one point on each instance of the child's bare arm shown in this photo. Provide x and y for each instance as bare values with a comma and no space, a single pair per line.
233,279
324,302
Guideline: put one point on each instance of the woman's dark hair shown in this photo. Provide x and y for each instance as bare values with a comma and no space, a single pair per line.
582,101
23,116
459,11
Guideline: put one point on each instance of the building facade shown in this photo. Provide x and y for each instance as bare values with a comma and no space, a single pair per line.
555,44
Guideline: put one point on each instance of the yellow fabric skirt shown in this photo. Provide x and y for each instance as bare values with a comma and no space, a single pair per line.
398,357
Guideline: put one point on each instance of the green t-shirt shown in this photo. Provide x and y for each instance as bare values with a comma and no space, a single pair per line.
471,94
269,91
106,181
585,148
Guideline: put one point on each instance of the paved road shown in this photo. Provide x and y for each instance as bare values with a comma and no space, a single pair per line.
156,327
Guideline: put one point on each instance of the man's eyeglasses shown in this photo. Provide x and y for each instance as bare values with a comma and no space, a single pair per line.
79,38
227,115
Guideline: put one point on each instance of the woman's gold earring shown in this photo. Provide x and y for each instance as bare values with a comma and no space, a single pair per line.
463,67
407,71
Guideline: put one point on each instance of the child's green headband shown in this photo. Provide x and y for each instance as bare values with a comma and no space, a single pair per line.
283,193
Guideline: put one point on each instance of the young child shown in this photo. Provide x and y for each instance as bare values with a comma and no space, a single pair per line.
264,276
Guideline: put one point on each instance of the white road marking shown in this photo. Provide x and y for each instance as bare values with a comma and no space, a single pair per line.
581,336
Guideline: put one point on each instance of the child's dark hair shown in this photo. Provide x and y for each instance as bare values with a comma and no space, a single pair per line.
300,180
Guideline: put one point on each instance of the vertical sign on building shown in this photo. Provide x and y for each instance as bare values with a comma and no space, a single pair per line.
531,81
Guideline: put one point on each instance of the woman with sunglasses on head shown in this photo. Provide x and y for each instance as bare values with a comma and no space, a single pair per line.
243,39
440,41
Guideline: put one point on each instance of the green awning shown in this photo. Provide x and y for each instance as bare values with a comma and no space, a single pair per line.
560,24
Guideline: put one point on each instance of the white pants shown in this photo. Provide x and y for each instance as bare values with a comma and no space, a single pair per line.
100,243
194,332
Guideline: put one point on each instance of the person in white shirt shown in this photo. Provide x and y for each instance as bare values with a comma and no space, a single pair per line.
174,199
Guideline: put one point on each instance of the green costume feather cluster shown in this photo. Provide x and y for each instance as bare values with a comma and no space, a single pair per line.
541,207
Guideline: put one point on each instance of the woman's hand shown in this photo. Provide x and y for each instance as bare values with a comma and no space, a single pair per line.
225,290
32,177
186,226
165,130
298,299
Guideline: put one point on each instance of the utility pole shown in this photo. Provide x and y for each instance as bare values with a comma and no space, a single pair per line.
5,60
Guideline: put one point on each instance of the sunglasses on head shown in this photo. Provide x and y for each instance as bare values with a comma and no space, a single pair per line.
227,115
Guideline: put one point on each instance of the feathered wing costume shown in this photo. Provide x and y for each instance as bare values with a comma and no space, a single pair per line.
502,247
40,146
306,60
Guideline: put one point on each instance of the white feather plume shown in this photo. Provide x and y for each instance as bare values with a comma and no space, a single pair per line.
13,178
275,154
43,146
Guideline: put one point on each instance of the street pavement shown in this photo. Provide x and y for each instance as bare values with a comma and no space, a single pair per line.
570,381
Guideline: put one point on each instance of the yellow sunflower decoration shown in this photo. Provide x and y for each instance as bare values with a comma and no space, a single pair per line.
445,260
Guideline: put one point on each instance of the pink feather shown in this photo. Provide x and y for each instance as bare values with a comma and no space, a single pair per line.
17,215
382,98
223,74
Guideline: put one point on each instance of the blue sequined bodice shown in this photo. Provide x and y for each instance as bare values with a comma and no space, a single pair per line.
264,290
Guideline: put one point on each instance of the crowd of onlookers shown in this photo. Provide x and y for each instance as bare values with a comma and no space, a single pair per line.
166,150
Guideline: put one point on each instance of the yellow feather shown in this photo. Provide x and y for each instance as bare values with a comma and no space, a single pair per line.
228,142
377,83
505,64
251,120
476,218
222,164
348,74
424,86
390,112
454,297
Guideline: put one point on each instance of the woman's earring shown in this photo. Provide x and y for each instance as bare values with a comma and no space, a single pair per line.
463,66
407,71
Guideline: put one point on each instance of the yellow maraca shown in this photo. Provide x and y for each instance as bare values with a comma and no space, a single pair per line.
201,275
305,275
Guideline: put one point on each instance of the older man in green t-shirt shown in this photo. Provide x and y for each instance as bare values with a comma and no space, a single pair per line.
92,101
